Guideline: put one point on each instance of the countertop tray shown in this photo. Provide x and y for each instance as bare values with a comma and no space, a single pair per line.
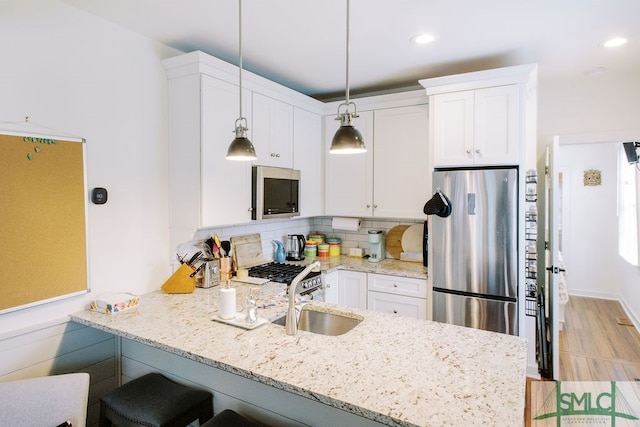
239,321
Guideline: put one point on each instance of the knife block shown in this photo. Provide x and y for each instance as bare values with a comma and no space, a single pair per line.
180,282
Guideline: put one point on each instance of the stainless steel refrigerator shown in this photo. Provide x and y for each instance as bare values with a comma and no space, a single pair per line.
475,249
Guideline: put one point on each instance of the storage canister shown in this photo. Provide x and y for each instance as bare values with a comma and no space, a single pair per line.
334,246
323,250
310,249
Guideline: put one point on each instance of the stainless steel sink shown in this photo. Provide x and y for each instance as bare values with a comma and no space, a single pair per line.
320,322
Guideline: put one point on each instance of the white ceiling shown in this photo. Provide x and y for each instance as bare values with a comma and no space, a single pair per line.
301,43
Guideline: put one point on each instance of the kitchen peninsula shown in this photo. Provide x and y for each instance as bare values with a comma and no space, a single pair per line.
388,370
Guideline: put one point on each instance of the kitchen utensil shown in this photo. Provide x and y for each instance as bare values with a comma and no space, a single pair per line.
280,254
412,238
295,247
394,240
226,245
218,245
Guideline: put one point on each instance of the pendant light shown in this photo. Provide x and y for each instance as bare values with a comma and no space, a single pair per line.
348,139
241,148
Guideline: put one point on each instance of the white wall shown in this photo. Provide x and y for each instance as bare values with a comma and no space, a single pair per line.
591,109
81,75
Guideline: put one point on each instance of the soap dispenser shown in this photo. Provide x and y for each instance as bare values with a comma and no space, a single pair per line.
280,254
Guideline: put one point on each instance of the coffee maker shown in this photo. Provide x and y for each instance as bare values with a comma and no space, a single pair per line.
295,247
376,243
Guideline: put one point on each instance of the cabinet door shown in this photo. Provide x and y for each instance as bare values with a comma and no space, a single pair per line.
401,178
226,184
452,123
496,130
349,178
397,304
272,133
331,287
307,157
352,289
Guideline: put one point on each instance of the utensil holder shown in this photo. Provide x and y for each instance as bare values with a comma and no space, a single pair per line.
180,281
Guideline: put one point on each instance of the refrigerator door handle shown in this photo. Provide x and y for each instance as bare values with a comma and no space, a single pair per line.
471,203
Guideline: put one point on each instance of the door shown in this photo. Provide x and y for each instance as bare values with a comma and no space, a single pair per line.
480,313
477,250
548,327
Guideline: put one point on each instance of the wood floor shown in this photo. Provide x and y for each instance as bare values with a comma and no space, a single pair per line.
597,344
594,346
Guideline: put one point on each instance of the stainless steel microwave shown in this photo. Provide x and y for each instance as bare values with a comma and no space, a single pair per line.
275,192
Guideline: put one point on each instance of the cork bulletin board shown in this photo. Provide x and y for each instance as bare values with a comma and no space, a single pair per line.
43,233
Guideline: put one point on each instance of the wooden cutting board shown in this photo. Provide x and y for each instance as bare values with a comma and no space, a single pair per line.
412,238
247,250
393,240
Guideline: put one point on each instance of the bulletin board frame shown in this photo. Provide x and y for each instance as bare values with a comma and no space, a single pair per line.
43,219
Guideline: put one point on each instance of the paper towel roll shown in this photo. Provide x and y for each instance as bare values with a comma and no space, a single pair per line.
348,224
227,303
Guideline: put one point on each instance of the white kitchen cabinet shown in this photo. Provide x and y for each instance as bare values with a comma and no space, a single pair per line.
349,177
205,189
345,287
307,157
401,177
405,296
390,180
331,287
476,127
272,131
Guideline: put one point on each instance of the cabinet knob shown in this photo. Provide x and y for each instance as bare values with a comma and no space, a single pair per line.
276,155
395,311
328,285
395,285
477,151
375,206
468,151
368,206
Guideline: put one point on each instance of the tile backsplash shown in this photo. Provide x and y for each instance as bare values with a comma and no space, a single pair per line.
278,229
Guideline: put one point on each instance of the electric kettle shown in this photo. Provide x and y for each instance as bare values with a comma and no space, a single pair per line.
295,247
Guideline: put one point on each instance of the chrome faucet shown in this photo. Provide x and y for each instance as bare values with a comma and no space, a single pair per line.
291,325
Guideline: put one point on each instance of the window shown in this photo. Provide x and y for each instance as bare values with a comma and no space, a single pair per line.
627,209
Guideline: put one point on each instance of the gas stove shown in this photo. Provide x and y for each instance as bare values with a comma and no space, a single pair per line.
285,273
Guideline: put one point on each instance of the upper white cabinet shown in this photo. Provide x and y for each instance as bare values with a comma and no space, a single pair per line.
307,157
481,118
205,189
349,177
476,127
272,131
401,177
390,180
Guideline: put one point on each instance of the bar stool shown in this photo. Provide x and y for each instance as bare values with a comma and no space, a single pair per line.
229,418
155,401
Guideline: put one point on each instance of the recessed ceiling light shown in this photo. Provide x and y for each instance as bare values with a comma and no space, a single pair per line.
615,42
423,38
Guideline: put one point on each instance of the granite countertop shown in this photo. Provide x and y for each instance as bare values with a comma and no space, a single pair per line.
390,369
387,266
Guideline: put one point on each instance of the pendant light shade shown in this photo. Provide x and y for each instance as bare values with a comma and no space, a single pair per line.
348,139
241,148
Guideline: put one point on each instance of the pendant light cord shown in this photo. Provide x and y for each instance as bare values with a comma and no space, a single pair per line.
240,50
347,67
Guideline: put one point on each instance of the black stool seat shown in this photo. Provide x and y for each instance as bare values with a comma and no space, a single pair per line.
155,401
229,418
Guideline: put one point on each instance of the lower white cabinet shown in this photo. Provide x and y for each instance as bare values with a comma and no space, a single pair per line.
405,296
397,304
348,288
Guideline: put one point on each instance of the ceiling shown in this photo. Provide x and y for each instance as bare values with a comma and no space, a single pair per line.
302,43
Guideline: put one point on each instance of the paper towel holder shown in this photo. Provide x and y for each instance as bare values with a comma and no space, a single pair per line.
345,223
